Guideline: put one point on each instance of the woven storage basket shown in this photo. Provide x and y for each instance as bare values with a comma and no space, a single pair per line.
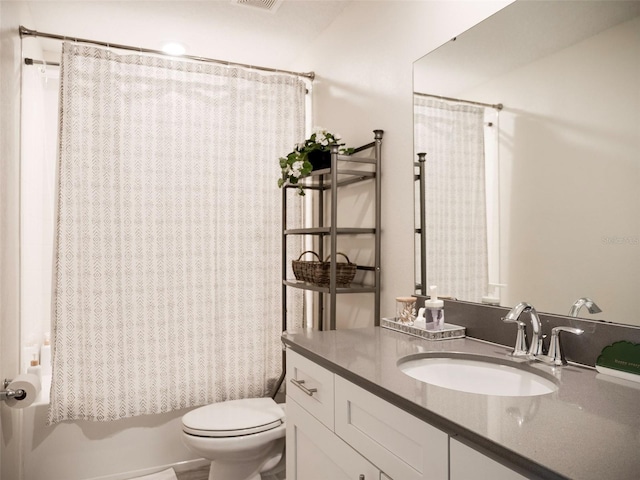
319,273
304,270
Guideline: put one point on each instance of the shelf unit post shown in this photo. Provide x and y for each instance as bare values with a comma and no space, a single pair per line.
321,188
378,222
423,222
333,239
284,258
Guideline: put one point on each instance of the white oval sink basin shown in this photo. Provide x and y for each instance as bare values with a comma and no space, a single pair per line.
476,376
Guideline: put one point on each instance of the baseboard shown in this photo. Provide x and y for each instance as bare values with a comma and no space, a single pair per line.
177,467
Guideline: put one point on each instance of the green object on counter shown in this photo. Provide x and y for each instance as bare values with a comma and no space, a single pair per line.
623,356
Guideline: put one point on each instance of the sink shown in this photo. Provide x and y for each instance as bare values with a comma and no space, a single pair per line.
477,374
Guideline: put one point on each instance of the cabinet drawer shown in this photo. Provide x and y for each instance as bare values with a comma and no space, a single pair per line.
398,443
311,386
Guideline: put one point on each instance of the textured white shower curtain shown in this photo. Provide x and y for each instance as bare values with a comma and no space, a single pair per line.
167,284
452,135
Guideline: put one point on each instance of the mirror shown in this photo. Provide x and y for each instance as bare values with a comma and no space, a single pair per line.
566,201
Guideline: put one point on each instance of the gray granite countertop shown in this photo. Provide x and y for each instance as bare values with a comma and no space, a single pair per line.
589,429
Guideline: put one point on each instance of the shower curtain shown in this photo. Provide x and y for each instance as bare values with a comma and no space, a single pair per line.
452,135
167,259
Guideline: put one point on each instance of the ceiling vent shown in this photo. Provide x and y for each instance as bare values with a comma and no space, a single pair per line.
264,5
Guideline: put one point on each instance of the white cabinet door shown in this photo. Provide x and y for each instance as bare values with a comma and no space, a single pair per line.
316,453
399,444
466,463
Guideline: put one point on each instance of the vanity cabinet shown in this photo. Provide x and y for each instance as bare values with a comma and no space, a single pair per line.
338,430
311,386
324,185
465,463
315,453
404,447
359,434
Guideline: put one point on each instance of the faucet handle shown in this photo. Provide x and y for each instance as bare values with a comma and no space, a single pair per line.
562,328
556,353
514,320
520,349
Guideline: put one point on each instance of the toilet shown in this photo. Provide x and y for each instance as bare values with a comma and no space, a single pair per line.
242,438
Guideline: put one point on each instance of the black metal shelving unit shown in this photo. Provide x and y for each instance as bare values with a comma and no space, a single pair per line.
326,184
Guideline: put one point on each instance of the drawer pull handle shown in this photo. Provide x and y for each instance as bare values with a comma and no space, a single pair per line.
299,384
361,477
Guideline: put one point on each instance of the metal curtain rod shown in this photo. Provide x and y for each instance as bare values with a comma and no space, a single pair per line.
26,32
31,61
497,106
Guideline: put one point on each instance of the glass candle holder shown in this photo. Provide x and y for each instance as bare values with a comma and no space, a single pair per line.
406,310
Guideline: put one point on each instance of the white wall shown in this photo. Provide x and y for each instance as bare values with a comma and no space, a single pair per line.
569,156
86,450
363,65
11,15
364,81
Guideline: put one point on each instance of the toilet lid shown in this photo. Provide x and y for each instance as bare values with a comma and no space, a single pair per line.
233,418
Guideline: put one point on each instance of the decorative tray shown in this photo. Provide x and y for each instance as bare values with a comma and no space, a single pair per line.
450,331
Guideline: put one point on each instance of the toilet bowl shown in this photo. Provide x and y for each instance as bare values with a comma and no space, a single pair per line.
242,438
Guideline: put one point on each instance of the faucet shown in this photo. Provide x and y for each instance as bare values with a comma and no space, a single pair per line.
556,353
535,348
584,302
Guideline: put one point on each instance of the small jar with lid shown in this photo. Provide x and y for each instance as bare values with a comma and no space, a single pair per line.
406,310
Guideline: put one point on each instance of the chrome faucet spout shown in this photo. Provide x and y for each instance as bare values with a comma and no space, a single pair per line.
592,307
535,347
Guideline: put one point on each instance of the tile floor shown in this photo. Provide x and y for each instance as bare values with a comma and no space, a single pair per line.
202,473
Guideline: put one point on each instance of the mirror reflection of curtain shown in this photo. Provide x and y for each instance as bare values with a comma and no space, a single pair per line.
452,135
167,281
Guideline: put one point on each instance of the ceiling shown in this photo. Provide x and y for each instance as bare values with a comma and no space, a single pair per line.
484,51
219,29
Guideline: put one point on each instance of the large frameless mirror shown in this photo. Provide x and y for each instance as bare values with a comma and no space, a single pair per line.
538,201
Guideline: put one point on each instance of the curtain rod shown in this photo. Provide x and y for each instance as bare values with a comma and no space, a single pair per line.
497,106
26,32
31,61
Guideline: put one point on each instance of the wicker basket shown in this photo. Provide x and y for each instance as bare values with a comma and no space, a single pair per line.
319,273
304,270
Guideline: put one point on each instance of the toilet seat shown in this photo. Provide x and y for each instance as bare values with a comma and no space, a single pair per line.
233,418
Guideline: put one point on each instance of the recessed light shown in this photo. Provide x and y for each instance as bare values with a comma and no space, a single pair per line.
173,48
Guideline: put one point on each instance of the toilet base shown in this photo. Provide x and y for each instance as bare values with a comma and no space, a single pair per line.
247,469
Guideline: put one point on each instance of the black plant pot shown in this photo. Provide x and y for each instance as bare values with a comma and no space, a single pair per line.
319,159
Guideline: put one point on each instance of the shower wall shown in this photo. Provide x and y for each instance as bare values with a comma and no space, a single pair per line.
40,86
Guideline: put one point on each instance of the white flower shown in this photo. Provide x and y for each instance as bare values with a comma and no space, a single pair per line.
337,136
297,166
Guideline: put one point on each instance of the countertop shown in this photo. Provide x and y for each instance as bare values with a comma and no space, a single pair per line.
589,429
